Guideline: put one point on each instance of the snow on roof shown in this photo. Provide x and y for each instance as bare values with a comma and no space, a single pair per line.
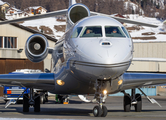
2,3
35,7
18,10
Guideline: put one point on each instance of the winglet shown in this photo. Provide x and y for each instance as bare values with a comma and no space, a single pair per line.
72,2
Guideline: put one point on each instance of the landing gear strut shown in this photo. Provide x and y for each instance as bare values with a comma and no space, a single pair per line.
100,110
34,101
134,99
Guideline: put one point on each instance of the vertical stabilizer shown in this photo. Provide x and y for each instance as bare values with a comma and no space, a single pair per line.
71,2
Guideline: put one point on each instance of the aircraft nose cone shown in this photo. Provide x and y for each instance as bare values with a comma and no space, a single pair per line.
101,59
106,51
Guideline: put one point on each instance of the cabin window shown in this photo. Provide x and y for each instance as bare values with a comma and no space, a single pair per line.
8,42
76,32
113,31
126,32
92,31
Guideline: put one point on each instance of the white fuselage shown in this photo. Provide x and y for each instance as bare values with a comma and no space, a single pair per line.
95,56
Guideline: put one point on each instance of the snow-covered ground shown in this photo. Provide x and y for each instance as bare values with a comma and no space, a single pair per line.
138,33
50,22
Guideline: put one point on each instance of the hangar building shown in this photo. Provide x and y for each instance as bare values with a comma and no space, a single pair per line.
12,55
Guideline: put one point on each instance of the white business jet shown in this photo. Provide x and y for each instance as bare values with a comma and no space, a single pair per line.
92,57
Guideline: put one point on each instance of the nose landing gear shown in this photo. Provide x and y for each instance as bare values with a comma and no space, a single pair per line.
100,110
32,100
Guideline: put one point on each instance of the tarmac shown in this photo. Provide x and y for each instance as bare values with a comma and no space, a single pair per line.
77,109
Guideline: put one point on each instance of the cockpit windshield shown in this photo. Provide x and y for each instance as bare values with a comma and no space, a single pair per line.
76,32
92,31
125,31
113,31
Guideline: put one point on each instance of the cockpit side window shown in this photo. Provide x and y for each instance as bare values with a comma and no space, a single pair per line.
92,31
76,32
125,31
113,31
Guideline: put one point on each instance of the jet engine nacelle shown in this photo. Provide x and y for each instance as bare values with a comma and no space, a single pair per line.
36,48
77,12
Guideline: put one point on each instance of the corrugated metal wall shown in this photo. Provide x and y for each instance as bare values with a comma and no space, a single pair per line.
149,50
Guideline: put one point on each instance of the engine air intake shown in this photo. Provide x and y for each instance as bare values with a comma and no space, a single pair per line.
36,48
77,12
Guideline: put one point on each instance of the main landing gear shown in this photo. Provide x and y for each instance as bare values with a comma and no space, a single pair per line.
32,100
100,110
133,100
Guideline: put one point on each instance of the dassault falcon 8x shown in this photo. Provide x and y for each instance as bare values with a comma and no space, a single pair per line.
92,57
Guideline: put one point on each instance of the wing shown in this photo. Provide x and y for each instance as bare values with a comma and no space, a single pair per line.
50,14
125,20
38,80
135,80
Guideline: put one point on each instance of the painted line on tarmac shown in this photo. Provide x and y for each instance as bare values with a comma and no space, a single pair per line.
34,119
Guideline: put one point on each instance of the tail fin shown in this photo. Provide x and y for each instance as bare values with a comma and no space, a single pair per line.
71,2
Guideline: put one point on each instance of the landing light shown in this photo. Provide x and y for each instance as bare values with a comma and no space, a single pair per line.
60,82
120,82
104,92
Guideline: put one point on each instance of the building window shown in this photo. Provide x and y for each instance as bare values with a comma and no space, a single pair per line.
8,42
1,42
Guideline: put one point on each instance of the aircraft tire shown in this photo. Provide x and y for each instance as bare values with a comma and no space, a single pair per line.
37,104
25,103
97,111
42,99
104,111
46,97
127,103
138,106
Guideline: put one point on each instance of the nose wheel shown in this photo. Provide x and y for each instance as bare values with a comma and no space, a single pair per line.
100,110
32,100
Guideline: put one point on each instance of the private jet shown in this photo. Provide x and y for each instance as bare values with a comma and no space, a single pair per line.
92,57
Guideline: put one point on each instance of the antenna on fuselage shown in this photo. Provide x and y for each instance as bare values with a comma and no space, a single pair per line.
72,2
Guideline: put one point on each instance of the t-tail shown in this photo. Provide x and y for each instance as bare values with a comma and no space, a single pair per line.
76,12
72,2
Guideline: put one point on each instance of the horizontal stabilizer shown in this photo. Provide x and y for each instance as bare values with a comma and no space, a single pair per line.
125,20
50,14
